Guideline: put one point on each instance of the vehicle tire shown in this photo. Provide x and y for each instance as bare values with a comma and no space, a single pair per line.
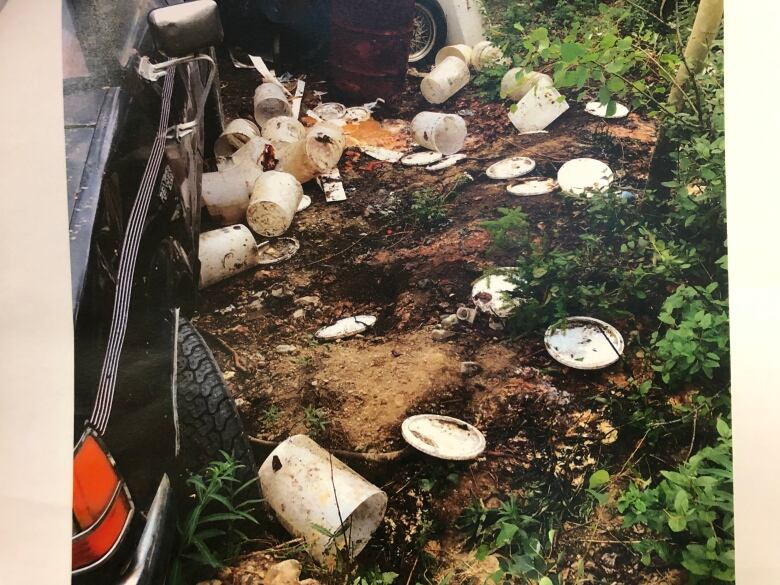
429,33
208,419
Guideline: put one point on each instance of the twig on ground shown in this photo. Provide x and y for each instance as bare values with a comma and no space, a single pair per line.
225,347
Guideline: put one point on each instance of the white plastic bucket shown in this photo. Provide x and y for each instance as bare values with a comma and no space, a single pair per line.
251,152
225,252
309,488
516,84
445,80
275,199
317,153
462,52
237,133
538,109
226,192
270,102
283,129
444,133
485,54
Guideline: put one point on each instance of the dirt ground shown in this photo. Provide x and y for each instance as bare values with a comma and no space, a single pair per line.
545,424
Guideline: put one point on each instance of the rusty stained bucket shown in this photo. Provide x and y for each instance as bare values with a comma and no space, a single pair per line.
369,47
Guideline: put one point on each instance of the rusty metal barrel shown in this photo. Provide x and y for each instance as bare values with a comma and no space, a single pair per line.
369,47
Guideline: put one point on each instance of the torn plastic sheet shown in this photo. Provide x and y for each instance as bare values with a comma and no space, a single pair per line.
331,185
346,327
383,154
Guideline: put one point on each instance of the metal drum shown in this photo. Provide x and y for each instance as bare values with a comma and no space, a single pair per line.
369,47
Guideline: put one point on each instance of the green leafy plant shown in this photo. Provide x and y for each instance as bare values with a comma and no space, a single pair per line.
375,576
697,336
521,542
270,416
315,419
428,208
212,530
690,512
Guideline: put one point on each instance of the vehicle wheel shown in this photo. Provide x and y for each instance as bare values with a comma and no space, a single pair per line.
208,418
429,33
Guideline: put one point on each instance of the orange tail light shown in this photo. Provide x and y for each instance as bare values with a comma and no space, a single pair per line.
102,507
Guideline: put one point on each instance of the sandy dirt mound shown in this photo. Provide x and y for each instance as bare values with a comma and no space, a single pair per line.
377,384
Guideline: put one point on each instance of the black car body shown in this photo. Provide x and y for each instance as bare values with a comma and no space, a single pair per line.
111,120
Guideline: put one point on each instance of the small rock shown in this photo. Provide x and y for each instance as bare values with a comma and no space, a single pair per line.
450,322
309,301
256,305
299,314
286,349
442,335
423,283
284,573
395,353
496,325
469,369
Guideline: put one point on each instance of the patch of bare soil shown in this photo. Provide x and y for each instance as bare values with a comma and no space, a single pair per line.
545,425
375,385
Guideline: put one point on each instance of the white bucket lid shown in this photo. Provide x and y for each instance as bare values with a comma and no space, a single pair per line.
346,327
278,250
585,176
418,159
446,162
600,110
531,187
356,114
443,437
330,111
584,343
490,293
511,168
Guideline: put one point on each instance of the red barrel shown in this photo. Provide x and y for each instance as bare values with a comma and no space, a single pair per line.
369,47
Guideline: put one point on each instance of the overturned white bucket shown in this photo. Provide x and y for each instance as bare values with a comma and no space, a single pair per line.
274,202
236,134
316,497
516,83
283,129
225,252
226,192
538,109
445,80
316,154
443,133
484,54
270,102
462,52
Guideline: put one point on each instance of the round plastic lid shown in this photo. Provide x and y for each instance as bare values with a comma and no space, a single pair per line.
600,110
584,343
533,187
330,111
417,159
490,293
356,114
277,250
346,327
446,162
585,176
510,168
443,437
